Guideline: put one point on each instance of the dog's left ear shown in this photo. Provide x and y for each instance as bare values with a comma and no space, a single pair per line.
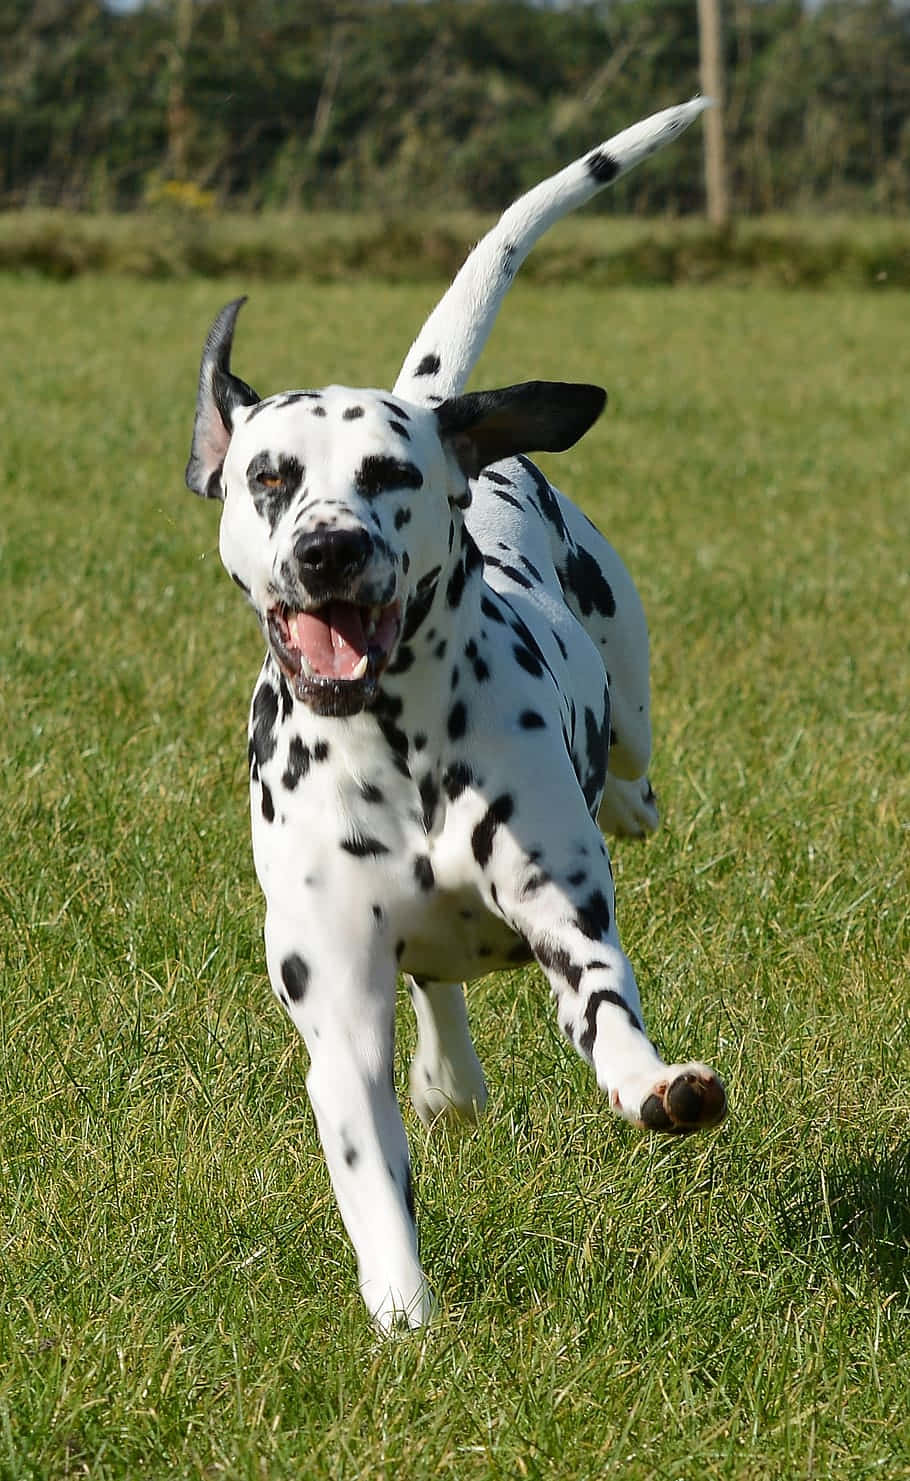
537,416
220,394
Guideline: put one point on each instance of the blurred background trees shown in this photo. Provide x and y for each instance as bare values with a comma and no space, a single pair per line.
364,103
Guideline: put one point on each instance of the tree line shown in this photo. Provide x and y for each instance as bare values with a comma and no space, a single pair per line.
376,104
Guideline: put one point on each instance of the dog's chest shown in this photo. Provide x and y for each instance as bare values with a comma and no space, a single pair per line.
341,824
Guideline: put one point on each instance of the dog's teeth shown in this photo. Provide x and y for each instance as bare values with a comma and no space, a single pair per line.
360,669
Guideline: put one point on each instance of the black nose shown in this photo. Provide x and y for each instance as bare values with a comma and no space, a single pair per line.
331,558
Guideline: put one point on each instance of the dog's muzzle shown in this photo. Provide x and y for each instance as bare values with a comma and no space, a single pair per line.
335,648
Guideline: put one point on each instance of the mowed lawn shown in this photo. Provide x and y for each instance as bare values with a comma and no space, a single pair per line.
177,1296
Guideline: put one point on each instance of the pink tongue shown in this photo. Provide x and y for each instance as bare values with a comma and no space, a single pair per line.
331,640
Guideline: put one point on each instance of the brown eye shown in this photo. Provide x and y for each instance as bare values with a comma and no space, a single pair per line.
271,480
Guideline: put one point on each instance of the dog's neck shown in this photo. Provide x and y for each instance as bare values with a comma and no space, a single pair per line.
417,691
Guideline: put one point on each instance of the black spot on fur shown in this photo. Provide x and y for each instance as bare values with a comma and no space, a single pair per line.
428,365
489,609
499,811
402,661
596,770
499,479
545,498
531,720
265,714
409,1194
387,710
457,722
268,805
602,166
397,411
351,1155
455,586
582,578
423,872
429,798
456,778
402,517
527,660
473,559
295,974
508,499
379,474
594,916
478,664
418,607
321,751
401,429
363,847
298,763
352,413
556,959
371,793
605,995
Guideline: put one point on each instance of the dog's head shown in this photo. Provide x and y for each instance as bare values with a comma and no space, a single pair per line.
340,504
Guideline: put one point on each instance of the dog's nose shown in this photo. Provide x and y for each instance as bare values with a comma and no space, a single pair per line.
332,557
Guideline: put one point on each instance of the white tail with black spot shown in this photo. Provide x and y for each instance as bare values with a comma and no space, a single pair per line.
448,346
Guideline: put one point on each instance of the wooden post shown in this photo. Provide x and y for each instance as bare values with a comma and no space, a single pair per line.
712,81
178,112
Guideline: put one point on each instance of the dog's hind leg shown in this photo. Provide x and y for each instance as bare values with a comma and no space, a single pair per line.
446,1077
628,809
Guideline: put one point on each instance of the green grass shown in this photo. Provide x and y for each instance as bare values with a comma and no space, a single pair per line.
177,1297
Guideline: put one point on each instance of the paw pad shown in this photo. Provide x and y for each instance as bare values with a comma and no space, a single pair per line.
691,1102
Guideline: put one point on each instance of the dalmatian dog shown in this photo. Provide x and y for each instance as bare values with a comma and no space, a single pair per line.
453,704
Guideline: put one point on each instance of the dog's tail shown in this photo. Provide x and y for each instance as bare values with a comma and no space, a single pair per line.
449,344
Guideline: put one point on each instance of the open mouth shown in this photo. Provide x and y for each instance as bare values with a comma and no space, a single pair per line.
335,654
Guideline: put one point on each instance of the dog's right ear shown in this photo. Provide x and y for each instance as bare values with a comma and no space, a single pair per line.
220,394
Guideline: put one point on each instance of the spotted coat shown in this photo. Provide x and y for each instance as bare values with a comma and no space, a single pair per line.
452,706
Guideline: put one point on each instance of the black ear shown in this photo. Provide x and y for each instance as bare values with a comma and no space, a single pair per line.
220,393
538,416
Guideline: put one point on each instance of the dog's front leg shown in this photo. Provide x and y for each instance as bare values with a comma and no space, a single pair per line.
561,901
343,1003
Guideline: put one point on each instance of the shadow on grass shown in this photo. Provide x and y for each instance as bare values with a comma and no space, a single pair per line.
855,1209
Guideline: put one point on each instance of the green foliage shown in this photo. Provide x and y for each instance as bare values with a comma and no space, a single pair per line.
379,104
176,1294
182,236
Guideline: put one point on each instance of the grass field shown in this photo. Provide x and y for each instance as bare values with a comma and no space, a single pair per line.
177,1297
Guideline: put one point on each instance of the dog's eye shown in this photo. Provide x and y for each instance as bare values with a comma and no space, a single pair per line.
271,480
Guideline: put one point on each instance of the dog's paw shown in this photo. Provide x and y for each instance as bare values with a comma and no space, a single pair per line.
687,1098
440,1091
396,1313
628,809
